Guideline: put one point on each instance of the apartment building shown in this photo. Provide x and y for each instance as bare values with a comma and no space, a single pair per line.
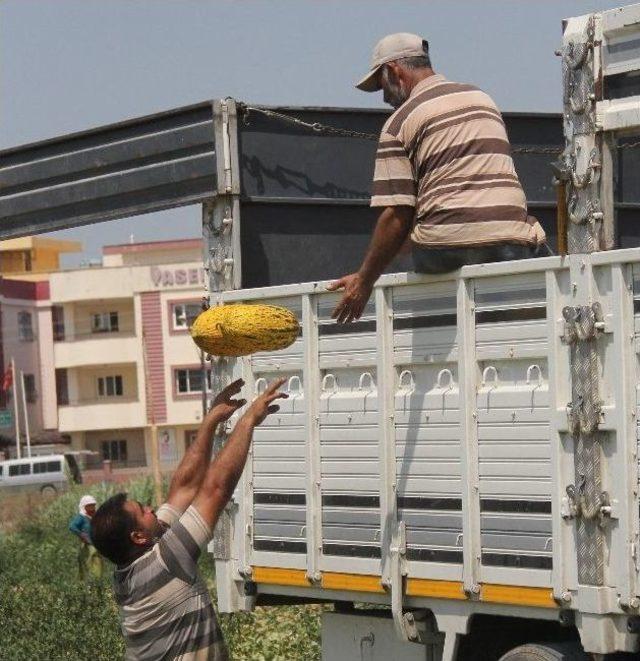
27,339
33,257
114,353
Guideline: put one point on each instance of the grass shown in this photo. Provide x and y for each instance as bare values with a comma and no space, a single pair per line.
48,614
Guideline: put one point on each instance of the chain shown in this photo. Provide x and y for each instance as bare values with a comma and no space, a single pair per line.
324,129
630,145
316,126
536,150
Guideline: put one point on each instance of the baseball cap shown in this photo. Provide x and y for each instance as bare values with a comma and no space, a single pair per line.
389,48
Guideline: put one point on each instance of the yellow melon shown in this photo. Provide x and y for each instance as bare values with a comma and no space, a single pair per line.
240,329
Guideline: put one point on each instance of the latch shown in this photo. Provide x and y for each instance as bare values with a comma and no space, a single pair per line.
575,505
404,623
221,225
583,419
220,260
582,323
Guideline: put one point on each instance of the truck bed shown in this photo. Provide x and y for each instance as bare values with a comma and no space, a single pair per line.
434,430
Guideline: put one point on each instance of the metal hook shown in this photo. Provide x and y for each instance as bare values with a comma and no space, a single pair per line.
406,373
441,374
295,379
530,369
361,381
490,369
329,377
261,382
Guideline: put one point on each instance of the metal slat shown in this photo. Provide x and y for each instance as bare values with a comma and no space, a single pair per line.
125,169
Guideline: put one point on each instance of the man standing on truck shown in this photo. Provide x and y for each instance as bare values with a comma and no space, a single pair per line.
443,176
165,607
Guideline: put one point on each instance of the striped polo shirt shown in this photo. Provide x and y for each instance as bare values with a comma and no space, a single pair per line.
446,153
165,607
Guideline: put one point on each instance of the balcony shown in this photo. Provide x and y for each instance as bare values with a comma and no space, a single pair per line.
97,348
95,414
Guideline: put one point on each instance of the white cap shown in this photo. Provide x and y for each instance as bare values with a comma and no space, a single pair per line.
389,48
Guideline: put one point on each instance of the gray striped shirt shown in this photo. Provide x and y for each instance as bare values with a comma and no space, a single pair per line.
165,607
446,153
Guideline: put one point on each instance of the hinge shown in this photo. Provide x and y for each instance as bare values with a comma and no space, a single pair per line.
404,623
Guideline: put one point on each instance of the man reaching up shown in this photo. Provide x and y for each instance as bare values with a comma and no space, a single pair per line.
165,608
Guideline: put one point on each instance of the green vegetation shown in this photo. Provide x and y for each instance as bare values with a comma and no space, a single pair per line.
47,614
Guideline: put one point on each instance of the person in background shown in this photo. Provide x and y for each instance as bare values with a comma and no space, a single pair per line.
89,561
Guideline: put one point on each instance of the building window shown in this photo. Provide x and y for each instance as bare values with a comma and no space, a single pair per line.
57,319
62,387
110,386
114,450
190,380
30,393
104,322
25,327
184,314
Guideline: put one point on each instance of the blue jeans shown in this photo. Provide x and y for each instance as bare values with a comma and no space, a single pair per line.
443,260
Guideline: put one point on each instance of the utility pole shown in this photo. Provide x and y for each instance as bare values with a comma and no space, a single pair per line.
155,452
16,411
26,415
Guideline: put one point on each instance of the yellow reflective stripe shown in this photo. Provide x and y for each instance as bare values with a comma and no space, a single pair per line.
415,587
423,587
356,582
517,596
278,576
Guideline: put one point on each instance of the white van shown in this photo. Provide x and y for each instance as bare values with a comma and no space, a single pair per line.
48,474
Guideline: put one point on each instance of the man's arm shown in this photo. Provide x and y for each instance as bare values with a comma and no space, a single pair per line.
392,229
223,474
187,479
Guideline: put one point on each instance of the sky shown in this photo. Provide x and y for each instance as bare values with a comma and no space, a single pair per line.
69,65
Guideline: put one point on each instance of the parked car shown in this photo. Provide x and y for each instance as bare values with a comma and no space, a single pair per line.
48,474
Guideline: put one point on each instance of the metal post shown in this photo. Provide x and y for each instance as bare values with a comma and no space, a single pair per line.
221,218
623,459
469,377
221,239
386,425
311,381
583,160
245,512
26,415
563,569
16,411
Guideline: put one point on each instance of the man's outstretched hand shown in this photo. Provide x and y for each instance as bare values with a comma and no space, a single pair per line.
263,405
357,291
223,405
